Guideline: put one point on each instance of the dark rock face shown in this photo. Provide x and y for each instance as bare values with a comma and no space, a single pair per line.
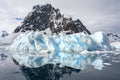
44,17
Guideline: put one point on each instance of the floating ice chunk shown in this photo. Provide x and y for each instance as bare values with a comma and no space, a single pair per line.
107,64
98,64
102,39
115,45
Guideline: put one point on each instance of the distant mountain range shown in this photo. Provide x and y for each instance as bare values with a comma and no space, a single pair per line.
114,37
4,34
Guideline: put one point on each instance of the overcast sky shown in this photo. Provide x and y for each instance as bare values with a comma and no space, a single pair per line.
96,15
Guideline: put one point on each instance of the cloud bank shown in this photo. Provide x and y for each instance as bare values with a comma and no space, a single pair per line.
95,14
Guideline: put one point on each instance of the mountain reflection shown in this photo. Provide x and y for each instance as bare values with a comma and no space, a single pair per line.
46,72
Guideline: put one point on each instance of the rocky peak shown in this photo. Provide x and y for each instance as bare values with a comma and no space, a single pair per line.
43,8
44,17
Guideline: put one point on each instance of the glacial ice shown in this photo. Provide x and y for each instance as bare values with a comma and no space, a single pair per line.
79,50
116,45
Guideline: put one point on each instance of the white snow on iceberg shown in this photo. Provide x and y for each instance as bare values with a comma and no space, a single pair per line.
34,49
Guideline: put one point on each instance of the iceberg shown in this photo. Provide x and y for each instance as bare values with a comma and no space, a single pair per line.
116,47
34,49
32,42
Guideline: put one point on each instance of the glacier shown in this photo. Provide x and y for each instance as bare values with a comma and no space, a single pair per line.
78,50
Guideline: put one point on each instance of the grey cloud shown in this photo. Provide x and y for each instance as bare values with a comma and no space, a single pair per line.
98,14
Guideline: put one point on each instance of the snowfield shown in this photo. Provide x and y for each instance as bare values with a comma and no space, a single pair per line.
79,50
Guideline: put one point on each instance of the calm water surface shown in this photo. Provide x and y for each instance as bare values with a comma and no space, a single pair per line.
10,71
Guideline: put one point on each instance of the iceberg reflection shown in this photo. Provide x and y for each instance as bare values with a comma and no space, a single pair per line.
71,62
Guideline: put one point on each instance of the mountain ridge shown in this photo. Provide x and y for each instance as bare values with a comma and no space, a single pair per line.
113,37
43,17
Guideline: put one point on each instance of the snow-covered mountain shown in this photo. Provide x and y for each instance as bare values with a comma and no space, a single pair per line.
49,20
114,37
3,34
